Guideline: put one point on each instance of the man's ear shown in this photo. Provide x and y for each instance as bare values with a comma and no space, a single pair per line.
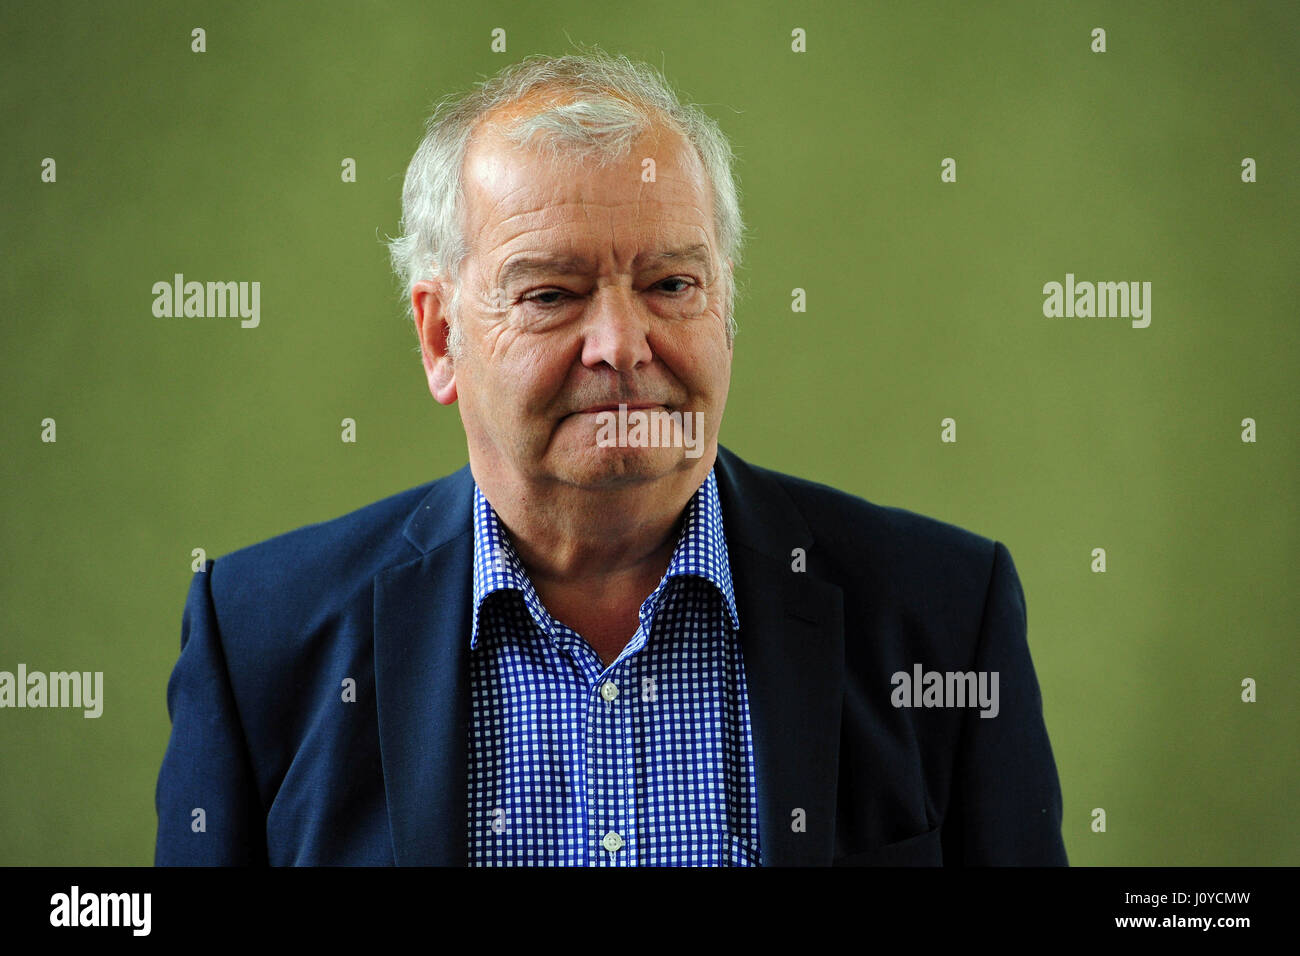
429,301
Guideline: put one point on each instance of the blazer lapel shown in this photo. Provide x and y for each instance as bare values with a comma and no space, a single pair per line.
422,625
792,641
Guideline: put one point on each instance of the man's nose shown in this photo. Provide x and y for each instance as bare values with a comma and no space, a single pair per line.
616,330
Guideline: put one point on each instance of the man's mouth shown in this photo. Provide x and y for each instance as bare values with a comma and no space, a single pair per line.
630,406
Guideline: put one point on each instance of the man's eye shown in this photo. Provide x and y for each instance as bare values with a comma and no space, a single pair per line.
540,297
685,282
549,298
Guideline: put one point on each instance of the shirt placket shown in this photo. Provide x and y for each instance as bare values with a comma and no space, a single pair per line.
610,752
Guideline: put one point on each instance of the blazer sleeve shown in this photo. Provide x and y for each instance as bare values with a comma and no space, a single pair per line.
1005,803
206,766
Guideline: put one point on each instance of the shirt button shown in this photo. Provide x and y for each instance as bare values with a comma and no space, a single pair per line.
609,690
612,842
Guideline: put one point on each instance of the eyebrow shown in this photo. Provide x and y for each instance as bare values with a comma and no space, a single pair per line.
527,266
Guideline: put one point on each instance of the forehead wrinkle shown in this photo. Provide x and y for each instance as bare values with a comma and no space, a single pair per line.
683,207
670,233
566,214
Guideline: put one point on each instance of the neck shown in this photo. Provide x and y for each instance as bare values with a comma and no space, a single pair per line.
569,535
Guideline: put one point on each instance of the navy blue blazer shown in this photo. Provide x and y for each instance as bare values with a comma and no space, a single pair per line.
284,771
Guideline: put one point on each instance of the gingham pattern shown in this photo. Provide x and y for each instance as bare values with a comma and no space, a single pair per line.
664,771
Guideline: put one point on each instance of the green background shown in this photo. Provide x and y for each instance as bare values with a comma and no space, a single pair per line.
924,301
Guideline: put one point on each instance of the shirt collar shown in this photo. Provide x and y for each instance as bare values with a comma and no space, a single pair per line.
701,552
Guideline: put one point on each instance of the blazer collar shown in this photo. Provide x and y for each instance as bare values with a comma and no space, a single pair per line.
791,640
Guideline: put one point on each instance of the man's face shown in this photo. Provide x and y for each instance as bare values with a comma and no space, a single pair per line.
569,306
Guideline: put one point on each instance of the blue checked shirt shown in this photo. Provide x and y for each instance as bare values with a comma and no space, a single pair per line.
647,762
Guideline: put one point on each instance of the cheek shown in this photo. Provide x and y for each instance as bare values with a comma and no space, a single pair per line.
529,375
700,360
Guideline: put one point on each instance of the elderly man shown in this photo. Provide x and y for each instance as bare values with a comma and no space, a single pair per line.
600,643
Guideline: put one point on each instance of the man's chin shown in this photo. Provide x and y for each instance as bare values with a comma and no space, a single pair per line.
593,466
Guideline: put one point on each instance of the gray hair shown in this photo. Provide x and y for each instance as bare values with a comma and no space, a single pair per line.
616,102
